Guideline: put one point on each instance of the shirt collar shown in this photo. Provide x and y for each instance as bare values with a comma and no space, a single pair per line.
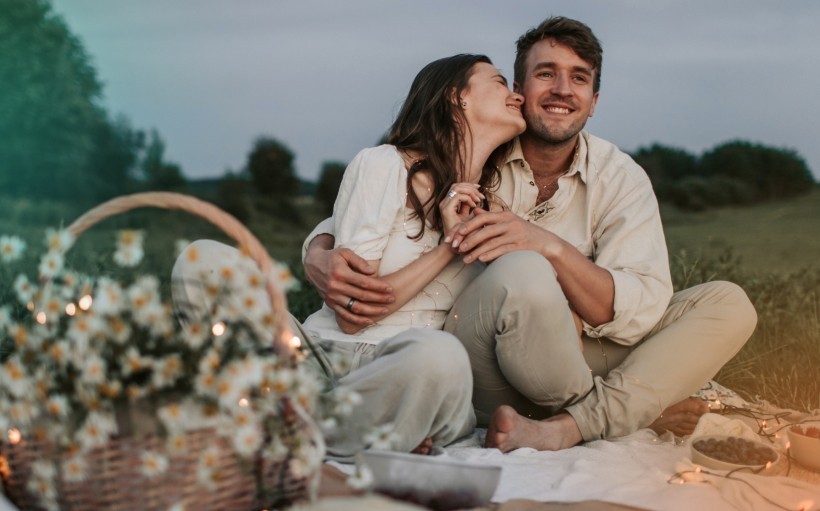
579,161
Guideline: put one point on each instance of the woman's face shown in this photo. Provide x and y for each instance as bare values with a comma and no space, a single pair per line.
490,104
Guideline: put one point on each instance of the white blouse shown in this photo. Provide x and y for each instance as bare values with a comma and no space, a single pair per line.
371,218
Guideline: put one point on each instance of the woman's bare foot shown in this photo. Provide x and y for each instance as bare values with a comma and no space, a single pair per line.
425,447
508,430
681,417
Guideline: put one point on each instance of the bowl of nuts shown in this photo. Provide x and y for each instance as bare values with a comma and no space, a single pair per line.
805,446
725,452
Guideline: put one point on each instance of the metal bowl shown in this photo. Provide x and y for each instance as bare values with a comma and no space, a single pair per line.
429,480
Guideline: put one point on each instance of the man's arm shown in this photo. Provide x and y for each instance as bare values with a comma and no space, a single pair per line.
589,288
339,275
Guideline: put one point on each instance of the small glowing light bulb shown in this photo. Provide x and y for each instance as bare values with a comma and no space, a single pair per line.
295,342
41,317
85,302
243,403
70,309
15,436
218,328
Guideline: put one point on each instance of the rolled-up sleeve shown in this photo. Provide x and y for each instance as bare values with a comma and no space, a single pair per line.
629,243
372,193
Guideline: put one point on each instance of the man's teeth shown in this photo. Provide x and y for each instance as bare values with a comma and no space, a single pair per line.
557,109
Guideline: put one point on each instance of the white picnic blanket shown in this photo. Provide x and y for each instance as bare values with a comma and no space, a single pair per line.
640,470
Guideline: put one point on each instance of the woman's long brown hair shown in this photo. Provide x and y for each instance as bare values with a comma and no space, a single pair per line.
432,123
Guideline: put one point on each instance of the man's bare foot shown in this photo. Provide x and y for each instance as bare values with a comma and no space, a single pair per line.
508,430
425,447
681,417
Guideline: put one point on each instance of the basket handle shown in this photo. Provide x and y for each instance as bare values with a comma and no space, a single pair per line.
224,221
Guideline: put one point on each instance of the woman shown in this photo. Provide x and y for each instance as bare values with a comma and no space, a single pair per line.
396,204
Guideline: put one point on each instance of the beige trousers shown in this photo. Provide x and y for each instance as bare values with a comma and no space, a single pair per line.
515,323
419,380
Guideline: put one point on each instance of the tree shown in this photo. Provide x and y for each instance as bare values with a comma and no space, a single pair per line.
329,181
49,109
773,173
270,165
665,166
159,174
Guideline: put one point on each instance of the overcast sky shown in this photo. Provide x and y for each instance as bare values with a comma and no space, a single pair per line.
327,77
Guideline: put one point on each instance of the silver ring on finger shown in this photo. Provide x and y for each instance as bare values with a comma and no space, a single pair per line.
350,303
452,193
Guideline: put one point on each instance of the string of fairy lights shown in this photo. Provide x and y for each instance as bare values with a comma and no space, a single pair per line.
764,430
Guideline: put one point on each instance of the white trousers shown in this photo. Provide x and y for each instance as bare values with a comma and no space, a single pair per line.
515,323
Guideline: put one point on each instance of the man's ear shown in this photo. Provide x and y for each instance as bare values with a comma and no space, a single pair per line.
594,102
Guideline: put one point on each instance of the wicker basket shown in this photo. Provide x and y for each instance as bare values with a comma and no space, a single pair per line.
115,483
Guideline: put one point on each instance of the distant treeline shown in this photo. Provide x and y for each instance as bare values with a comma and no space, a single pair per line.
57,141
733,173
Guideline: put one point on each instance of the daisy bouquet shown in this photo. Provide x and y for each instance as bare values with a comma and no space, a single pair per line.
87,360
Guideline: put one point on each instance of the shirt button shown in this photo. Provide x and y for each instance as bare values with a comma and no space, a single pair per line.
532,183
521,163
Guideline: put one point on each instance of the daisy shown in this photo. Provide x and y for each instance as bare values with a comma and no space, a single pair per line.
109,297
58,240
43,488
51,264
128,257
93,370
382,438
346,400
75,469
282,381
172,417
283,278
11,248
13,377
24,289
22,413
195,334
247,440
177,444
118,330
59,353
153,464
95,431
57,406
361,479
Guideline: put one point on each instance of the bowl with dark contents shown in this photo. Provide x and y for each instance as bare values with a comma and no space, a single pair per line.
725,452
434,482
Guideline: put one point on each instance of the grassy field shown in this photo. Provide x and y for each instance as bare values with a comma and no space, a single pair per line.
772,251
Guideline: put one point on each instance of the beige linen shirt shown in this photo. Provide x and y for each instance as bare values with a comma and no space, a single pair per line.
606,208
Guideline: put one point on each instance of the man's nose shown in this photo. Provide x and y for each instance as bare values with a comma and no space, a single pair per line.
561,85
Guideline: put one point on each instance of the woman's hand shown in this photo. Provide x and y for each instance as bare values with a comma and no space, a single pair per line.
457,206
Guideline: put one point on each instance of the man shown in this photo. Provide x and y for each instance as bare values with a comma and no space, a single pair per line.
581,248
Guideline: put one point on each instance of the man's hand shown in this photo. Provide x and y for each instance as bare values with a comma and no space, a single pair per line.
489,235
339,275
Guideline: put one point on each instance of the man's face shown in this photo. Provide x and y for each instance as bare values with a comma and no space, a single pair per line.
557,90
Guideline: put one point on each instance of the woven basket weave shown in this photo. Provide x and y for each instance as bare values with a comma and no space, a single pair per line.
115,482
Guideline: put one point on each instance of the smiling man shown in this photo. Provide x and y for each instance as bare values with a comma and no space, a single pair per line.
579,252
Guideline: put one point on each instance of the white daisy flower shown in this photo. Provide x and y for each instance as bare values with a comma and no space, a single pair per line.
109,297
283,278
58,240
177,444
51,264
59,353
209,463
362,479
11,248
44,489
133,362
94,369
130,238
75,469
57,406
153,464
180,245
24,289
172,417
128,256
95,431
247,440
206,384
195,334
13,376
346,400
118,330
281,381
382,438
22,413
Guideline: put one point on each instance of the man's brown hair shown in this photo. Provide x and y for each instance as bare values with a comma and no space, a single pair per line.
568,32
